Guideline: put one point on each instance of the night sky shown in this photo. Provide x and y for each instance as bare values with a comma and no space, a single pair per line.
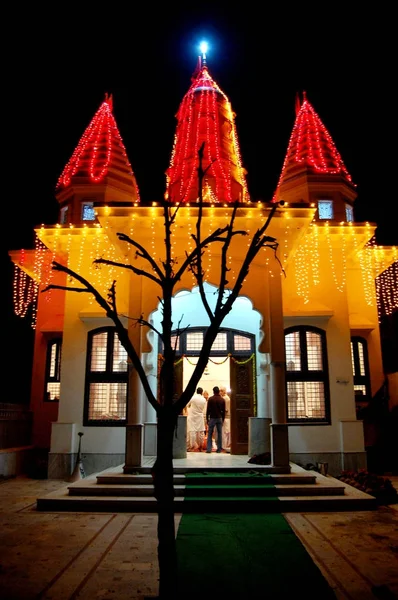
63,64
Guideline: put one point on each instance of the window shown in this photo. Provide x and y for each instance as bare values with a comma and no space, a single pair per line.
226,342
175,342
106,379
325,209
194,341
63,215
360,368
88,211
242,342
53,371
349,213
220,343
307,379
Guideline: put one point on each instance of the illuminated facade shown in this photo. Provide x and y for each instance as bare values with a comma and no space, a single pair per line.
301,346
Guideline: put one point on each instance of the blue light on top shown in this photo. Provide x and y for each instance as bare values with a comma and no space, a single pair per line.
203,48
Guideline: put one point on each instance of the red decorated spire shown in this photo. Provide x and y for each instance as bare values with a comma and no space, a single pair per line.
100,155
205,116
311,148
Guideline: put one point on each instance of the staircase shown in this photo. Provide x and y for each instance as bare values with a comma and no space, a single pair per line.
212,489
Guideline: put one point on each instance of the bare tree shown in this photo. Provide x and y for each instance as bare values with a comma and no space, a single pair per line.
166,275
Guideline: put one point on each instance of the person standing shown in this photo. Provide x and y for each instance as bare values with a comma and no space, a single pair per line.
215,415
213,441
226,428
195,421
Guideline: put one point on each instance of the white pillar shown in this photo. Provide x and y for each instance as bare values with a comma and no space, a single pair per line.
134,427
279,428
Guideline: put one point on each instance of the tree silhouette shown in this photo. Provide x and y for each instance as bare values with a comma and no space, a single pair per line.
166,274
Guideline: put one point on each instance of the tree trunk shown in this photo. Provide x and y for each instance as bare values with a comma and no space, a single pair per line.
162,473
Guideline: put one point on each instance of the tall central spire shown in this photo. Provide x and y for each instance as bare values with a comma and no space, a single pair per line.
205,117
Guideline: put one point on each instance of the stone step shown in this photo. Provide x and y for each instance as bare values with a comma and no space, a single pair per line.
271,469
57,503
210,490
179,478
299,491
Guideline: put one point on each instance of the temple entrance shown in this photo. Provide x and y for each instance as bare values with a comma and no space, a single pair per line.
234,371
216,373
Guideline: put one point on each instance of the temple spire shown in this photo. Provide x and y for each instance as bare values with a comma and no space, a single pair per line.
98,170
311,150
205,117
313,169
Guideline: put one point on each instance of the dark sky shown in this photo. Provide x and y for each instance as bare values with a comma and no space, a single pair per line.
260,58
60,65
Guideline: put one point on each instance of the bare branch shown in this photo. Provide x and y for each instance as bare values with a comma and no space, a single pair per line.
259,241
200,246
141,321
208,166
142,252
173,213
224,250
66,288
121,330
112,263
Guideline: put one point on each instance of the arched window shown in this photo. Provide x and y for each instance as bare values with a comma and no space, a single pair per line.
106,379
307,380
360,368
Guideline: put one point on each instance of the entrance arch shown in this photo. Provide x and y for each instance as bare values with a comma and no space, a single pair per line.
234,349
238,341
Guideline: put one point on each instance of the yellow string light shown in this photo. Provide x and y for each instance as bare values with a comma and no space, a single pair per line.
339,286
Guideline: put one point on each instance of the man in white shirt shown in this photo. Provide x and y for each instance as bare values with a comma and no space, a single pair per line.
226,428
196,421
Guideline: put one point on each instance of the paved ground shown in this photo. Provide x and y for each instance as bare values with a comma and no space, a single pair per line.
83,556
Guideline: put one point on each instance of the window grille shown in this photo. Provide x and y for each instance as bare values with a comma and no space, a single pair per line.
53,371
106,379
360,368
307,380
220,343
194,340
241,342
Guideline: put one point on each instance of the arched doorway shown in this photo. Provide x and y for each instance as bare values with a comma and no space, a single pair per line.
232,364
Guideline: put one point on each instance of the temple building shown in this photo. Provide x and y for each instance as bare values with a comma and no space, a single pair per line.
300,350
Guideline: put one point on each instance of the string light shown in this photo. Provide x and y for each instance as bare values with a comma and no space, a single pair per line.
23,290
100,148
95,242
339,286
387,290
314,253
301,273
205,115
311,145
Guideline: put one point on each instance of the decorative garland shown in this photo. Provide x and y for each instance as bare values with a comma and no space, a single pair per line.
238,362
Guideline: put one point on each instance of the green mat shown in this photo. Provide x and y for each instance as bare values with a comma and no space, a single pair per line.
226,490
245,556
221,474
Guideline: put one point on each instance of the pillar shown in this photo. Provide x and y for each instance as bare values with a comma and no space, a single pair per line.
279,428
134,427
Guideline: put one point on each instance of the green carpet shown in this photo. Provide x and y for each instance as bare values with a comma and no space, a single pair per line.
231,489
226,474
245,556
